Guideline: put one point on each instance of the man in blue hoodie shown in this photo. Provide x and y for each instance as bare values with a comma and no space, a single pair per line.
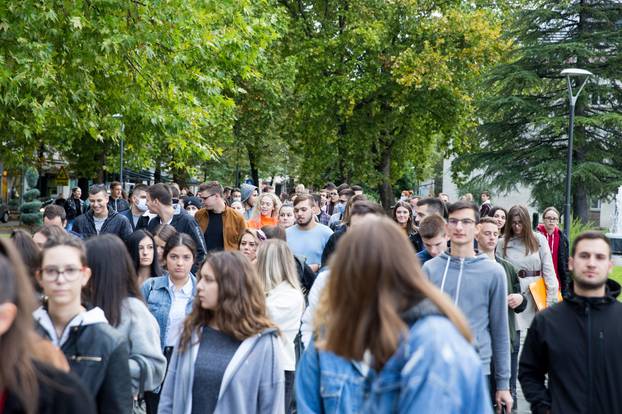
478,286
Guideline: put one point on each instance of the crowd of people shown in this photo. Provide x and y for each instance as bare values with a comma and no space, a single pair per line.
238,300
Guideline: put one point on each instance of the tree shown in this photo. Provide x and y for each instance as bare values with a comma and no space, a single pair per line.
523,135
171,68
382,86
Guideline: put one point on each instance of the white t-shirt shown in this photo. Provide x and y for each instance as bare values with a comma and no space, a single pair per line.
99,223
177,313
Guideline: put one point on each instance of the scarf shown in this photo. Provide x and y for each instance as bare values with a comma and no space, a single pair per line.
553,241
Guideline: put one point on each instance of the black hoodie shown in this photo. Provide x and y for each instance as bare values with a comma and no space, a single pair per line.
578,343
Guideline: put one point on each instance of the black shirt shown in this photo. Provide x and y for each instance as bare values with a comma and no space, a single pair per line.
215,352
214,234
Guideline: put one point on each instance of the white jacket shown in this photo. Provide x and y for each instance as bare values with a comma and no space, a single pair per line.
285,307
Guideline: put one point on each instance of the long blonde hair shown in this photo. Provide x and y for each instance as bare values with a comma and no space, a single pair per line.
275,264
375,277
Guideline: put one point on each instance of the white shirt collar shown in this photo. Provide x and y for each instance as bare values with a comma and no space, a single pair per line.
186,289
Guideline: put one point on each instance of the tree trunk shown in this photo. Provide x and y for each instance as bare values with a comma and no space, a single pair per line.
157,173
252,161
386,191
100,172
580,203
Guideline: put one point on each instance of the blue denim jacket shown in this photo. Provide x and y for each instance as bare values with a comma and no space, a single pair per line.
434,371
159,297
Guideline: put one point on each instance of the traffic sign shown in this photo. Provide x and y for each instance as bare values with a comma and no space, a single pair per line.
62,178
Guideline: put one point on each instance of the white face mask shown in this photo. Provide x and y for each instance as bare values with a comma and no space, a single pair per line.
142,204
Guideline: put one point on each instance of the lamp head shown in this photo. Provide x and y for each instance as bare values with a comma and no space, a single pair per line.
117,116
576,72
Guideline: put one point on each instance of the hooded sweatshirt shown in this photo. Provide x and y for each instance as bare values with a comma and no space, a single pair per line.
477,285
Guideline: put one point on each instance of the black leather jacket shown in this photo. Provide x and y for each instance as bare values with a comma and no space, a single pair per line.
71,208
114,224
99,355
184,223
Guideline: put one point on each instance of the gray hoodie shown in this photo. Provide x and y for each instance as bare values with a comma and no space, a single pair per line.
253,382
478,286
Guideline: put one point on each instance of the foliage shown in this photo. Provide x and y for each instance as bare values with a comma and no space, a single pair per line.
171,68
577,227
523,135
382,86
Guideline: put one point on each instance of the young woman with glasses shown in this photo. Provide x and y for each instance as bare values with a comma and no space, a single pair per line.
558,243
96,352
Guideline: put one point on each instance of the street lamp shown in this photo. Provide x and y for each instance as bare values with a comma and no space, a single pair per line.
571,73
120,116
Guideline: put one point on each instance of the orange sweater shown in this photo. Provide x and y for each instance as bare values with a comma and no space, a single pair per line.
259,222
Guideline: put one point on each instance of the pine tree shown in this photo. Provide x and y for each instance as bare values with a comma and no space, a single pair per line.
524,110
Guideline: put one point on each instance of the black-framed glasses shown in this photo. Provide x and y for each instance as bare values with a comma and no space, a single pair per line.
553,219
51,274
208,197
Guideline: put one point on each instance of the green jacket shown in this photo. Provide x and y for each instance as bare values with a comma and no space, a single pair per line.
513,287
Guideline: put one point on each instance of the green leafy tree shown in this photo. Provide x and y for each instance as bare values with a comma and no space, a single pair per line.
383,86
171,68
523,136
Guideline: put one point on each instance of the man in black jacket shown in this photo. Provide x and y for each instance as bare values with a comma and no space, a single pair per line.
100,219
160,202
577,342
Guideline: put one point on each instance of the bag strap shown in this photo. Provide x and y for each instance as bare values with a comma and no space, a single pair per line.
141,379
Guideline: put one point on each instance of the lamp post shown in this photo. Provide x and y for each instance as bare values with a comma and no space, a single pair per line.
120,116
571,73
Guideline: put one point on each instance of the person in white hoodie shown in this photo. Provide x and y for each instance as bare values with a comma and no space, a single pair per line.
285,301
113,288
96,352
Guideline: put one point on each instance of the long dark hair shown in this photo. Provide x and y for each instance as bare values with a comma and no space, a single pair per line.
113,277
241,311
492,213
132,247
527,236
177,240
374,278
17,371
30,253
409,222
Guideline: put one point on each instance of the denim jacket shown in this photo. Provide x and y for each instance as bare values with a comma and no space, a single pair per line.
159,298
434,370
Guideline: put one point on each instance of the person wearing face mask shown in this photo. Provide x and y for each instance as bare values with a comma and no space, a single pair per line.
138,207
192,205
337,217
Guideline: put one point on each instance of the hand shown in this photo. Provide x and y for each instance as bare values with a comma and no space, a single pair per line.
315,267
504,398
515,300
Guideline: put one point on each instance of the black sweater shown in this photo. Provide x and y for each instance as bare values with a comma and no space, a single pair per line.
577,343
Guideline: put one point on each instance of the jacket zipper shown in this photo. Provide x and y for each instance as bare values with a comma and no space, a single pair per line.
79,358
589,358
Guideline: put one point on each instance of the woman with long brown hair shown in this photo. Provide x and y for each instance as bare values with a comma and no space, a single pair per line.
528,251
27,384
379,313
228,358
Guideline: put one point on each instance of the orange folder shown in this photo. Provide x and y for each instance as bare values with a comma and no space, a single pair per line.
538,291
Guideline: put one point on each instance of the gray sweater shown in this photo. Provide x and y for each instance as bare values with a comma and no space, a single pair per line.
143,335
253,382
478,286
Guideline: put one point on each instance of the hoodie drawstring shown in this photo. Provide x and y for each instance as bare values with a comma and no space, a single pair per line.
459,279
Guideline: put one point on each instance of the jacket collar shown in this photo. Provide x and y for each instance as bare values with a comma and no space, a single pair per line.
612,290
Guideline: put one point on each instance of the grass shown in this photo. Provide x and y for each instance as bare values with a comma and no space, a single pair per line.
616,275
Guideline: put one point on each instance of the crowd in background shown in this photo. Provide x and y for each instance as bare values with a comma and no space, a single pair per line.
239,300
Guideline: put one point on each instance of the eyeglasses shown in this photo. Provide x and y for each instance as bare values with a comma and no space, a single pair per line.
553,219
208,197
453,222
517,223
51,274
